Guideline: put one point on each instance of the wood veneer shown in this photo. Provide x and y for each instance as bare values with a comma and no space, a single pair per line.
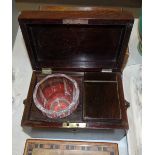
51,43
33,117
80,44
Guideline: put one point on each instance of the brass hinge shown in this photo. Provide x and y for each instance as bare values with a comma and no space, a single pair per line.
74,125
106,70
46,71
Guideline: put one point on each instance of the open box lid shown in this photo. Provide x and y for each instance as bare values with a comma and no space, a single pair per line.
77,41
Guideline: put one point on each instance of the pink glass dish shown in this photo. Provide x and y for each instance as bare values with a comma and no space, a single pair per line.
56,95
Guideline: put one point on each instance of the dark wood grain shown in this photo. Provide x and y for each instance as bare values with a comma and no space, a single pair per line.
101,97
75,8
103,3
50,43
106,14
80,50
33,117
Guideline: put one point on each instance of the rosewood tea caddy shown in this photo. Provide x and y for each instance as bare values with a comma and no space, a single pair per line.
88,46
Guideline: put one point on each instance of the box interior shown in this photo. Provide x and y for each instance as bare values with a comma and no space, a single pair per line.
94,106
101,97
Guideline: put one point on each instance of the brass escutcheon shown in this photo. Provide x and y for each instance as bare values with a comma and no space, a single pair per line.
73,125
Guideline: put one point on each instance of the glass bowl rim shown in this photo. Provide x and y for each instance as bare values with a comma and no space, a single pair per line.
50,112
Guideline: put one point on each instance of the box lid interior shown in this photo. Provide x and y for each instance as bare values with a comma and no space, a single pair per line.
76,41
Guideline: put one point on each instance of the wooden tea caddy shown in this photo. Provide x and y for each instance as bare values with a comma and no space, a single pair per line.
89,46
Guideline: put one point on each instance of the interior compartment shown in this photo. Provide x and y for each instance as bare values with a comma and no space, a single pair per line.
108,110
101,97
36,115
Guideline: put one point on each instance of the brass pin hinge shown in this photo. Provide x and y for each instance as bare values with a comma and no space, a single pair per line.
46,71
